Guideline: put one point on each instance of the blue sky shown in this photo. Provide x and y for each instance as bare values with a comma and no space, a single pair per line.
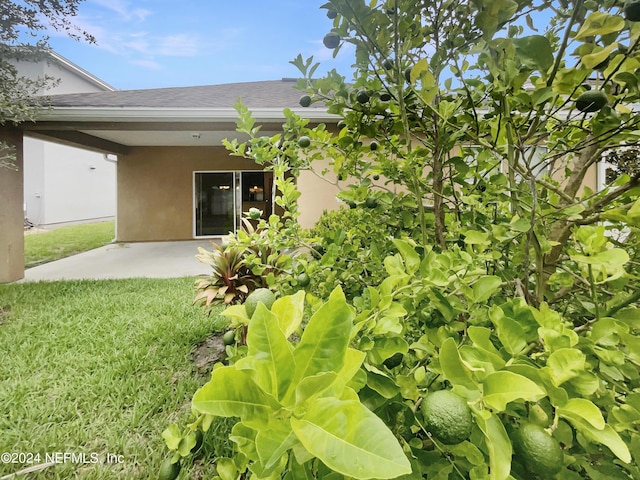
169,43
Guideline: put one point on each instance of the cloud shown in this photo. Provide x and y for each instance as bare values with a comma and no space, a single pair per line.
148,64
178,45
124,10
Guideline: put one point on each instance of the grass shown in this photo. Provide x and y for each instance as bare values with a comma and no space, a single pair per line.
97,367
65,241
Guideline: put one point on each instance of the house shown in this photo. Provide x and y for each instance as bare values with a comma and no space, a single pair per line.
65,184
175,180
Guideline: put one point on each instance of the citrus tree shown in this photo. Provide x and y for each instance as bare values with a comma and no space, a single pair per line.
499,333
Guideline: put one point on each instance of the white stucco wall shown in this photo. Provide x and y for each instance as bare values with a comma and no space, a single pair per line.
65,184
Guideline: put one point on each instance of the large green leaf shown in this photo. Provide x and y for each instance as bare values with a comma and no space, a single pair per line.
324,342
290,311
233,393
600,23
565,364
606,436
535,52
269,353
484,287
503,387
273,443
409,255
452,366
498,444
584,409
351,440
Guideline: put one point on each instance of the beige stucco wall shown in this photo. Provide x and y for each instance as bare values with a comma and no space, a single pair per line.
11,212
155,189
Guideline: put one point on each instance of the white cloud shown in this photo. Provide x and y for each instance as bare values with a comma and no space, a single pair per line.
148,64
178,45
124,10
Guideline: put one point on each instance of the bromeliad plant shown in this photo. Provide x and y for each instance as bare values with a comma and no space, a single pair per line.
297,403
230,281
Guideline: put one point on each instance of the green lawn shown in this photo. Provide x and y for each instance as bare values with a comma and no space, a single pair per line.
65,241
97,367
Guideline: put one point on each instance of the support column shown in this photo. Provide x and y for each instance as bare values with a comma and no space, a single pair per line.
12,211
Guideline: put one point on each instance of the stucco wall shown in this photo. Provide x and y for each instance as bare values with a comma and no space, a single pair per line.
155,189
60,185
11,213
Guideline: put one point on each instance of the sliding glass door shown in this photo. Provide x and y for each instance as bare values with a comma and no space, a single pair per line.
220,198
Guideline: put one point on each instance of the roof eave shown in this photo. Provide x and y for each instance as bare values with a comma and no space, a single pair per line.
141,114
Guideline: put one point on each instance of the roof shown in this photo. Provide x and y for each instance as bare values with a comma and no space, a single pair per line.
266,94
116,121
65,62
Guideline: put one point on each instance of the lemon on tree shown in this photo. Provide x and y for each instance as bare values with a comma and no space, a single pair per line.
447,417
591,101
168,470
538,451
260,295
229,338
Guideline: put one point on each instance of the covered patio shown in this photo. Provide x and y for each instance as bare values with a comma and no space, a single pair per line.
161,140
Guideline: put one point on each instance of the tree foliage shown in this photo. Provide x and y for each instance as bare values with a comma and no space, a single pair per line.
504,275
24,37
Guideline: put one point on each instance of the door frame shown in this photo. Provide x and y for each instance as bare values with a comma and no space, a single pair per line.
237,180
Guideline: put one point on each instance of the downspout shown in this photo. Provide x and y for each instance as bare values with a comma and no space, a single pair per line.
115,162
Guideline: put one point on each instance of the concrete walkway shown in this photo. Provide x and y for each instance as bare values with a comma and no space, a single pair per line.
126,260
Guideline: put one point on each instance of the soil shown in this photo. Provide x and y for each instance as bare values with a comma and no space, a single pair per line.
209,352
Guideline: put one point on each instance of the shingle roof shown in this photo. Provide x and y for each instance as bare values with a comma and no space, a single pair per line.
266,94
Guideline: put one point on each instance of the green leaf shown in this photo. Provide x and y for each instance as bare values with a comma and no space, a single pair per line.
233,393
594,59
290,311
409,255
500,388
484,287
481,337
270,352
453,369
498,444
492,14
510,331
606,436
583,409
386,347
273,443
535,52
324,342
172,436
313,386
600,23
351,440
565,364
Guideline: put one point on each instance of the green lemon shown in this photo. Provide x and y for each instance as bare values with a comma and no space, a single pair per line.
331,40
304,141
591,101
447,417
229,338
261,295
371,202
305,100
168,470
303,279
538,451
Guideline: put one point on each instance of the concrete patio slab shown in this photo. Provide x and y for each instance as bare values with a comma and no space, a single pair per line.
126,260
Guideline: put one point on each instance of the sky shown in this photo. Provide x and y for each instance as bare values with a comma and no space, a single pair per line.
175,43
